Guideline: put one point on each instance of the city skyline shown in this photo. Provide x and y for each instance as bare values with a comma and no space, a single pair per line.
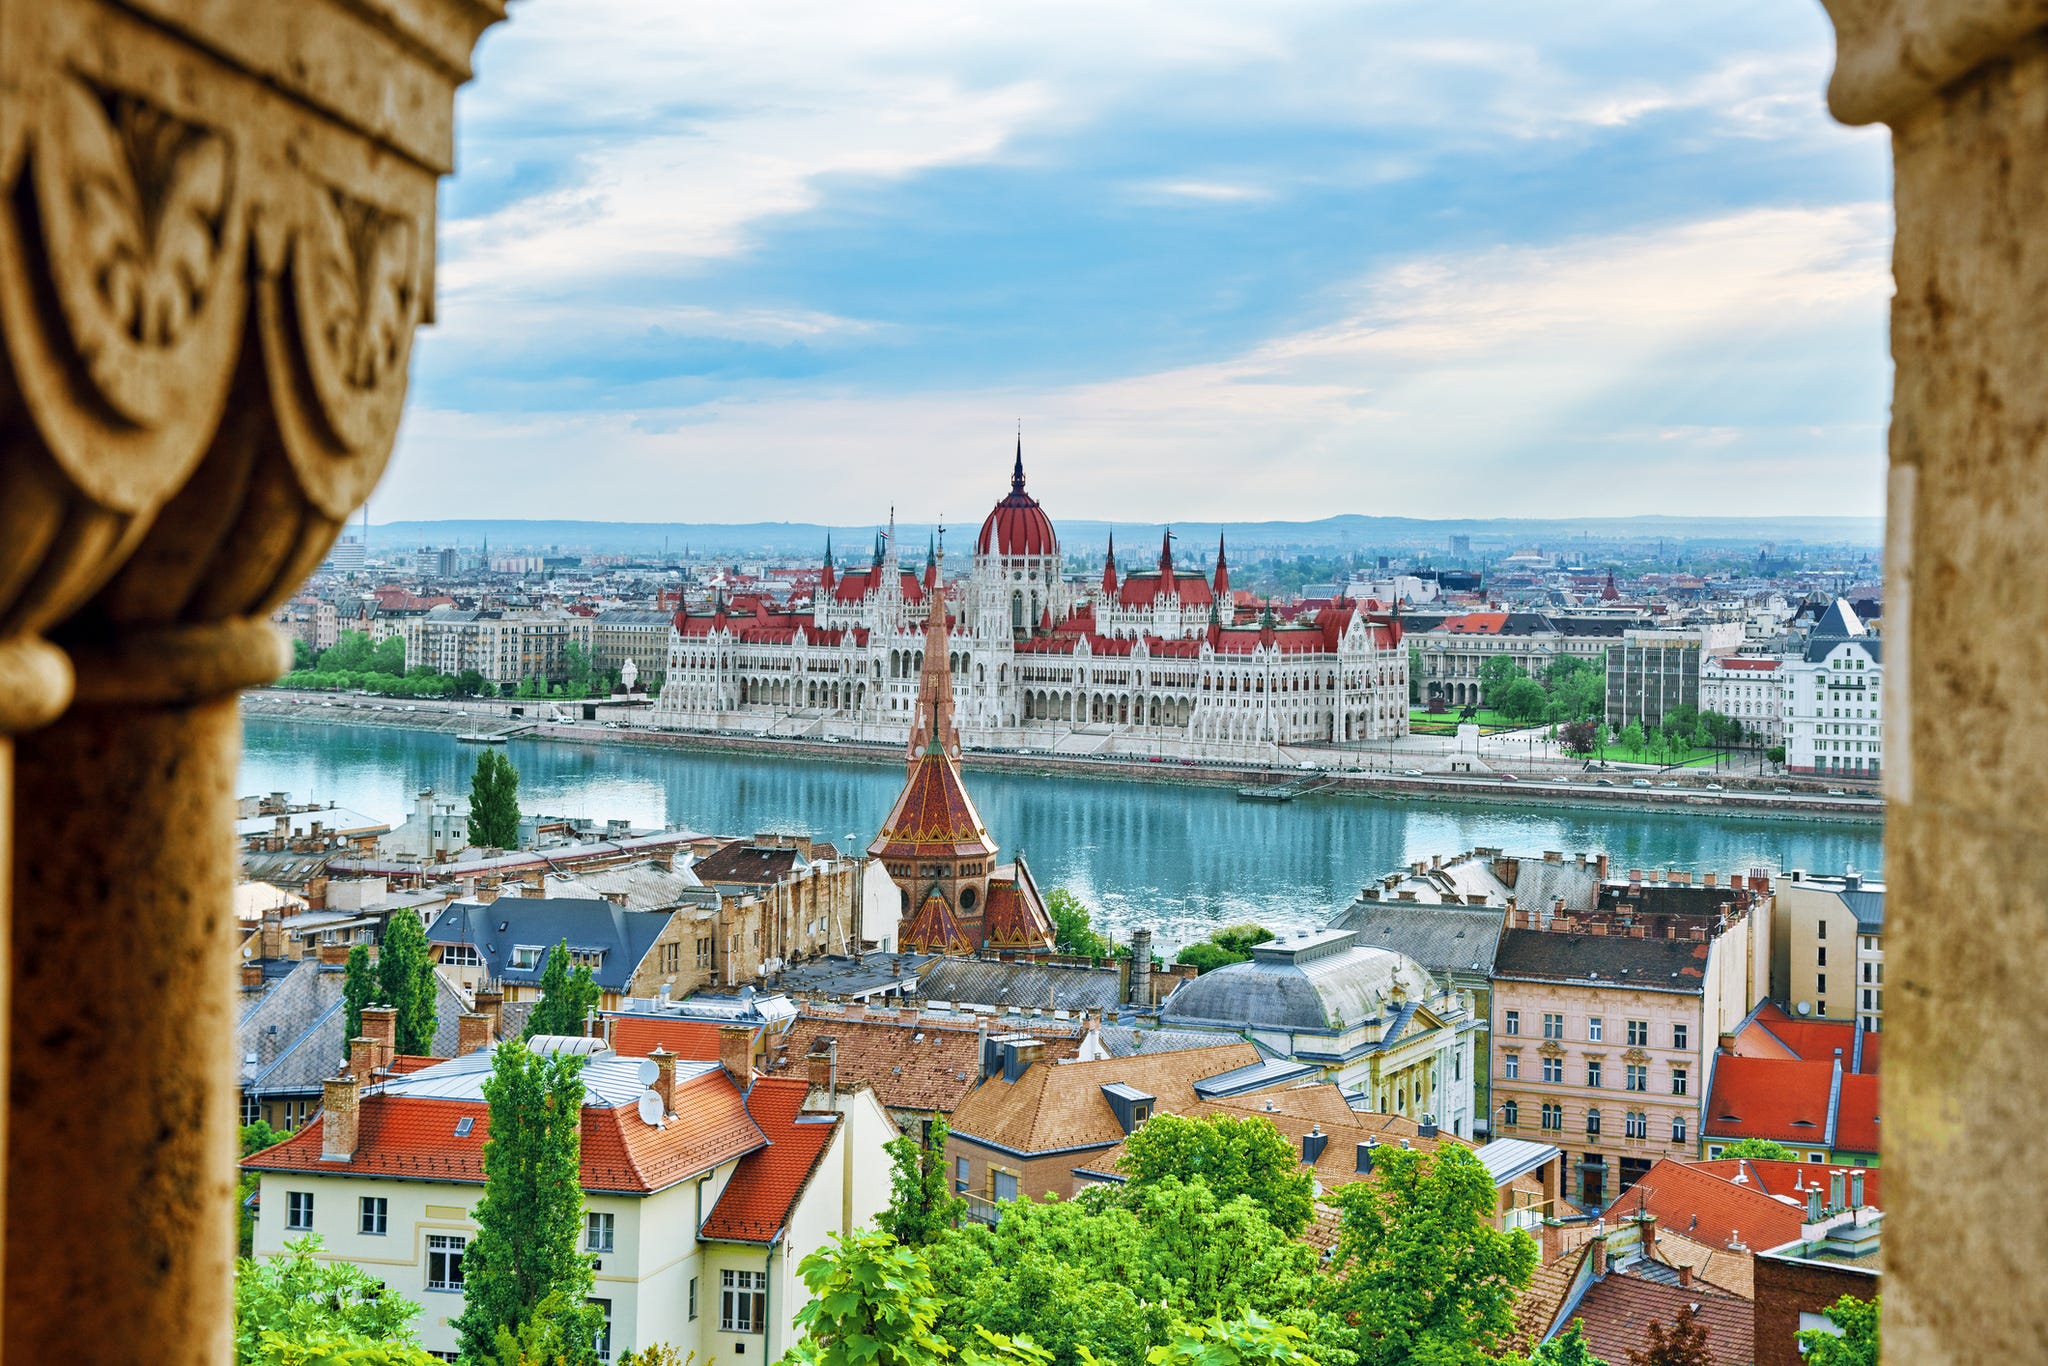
1608,262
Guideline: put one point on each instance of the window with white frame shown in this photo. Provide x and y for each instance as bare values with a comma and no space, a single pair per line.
1679,1035
1553,1025
603,1344
1637,1124
1678,1129
461,956
527,956
1553,1116
1511,1066
693,1299
1593,1029
598,1229
1638,1033
1511,1023
743,1301
1638,1076
252,1108
373,1216
1553,1069
444,1261
298,1209
961,1171
1593,1072
1678,1081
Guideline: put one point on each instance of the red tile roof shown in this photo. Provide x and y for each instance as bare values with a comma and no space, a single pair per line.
415,1137
1812,1040
755,1205
1789,1179
1776,1098
933,818
638,1036
1857,1114
1618,1309
1708,1207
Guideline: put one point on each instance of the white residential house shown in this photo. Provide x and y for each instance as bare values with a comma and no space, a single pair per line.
1834,700
1749,688
705,1184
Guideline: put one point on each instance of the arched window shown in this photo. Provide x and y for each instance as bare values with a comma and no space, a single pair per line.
1592,1121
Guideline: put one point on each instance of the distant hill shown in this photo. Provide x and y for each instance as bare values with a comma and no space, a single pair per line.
1139,540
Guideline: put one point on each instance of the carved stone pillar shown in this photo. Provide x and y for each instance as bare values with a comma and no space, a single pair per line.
216,242
1964,86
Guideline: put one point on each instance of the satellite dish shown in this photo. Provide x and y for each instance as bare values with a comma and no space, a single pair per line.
248,950
648,1071
1805,1009
651,1110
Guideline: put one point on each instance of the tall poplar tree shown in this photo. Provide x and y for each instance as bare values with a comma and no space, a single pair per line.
359,988
921,1200
405,980
494,802
568,995
527,1223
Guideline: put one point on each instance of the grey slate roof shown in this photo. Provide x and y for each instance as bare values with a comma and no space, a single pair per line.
1868,905
1839,625
976,982
1460,938
623,937
1126,1041
1650,964
305,1010
1323,983
646,886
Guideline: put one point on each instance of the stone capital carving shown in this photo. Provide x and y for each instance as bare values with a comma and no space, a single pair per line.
1894,55
215,247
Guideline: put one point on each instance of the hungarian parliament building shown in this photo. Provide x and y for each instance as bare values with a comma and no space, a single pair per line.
1158,654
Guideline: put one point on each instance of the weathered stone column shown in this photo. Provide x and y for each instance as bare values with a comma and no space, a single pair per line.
216,241
1964,86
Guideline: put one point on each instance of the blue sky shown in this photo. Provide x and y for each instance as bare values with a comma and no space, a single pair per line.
715,261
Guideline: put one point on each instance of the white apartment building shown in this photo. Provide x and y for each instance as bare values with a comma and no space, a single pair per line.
1834,703
1827,947
1749,688
506,647
696,1229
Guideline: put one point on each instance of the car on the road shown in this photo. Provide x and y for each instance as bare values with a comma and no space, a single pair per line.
1509,778
1603,782
1639,782
1836,792
1560,780
1715,787
1783,791
1411,773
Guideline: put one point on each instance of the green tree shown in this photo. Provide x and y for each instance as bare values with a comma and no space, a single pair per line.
922,1204
576,659
1242,938
1760,1150
1566,1349
1073,925
871,1305
387,656
1854,1339
1632,737
494,802
359,988
300,1309
1523,699
1420,1272
531,1213
568,995
405,982
559,1332
302,654
1238,1342
1775,753
1231,944
469,683
1683,1344
350,653
1232,1156
1495,676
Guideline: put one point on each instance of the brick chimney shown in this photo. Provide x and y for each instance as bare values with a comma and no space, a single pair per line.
1599,1257
664,1078
252,974
334,955
736,1053
1646,1223
380,1027
1600,867
490,1001
339,1100
272,938
362,1059
1685,1278
823,1065
472,1032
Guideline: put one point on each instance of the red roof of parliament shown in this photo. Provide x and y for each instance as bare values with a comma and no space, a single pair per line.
1017,525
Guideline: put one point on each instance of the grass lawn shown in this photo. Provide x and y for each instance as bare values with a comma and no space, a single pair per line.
1447,722
1696,758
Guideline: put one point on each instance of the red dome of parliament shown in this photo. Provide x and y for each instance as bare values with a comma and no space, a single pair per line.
1018,525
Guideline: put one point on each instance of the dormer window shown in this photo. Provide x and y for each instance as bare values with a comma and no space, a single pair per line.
526,957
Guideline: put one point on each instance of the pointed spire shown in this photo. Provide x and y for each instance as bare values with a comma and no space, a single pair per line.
1017,472
1222,568
1166,558
1266,617
829,578
1109,569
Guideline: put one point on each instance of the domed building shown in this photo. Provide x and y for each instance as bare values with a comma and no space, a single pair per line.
1165,651
1371,1019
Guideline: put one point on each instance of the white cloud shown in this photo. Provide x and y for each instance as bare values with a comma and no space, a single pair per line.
1517,380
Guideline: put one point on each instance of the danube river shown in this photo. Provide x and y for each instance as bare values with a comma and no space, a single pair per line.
1180,859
